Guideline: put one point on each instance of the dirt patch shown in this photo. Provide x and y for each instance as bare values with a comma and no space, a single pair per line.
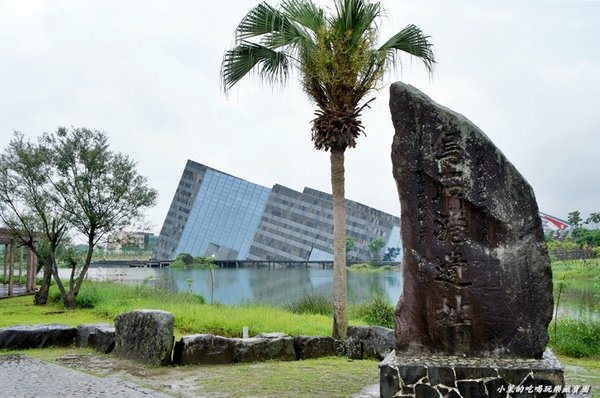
173,380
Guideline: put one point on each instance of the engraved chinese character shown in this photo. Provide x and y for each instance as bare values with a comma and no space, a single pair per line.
450,148
453,313
451,226
450,269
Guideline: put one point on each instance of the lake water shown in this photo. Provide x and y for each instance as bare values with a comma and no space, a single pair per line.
278,286
282,286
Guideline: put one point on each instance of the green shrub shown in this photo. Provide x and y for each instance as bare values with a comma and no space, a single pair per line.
379,312
89,296
185,258
360,266
319,304
575,337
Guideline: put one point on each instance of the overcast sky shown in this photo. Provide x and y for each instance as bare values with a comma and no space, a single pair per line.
147,73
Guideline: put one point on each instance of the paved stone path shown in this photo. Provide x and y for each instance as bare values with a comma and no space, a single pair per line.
25,377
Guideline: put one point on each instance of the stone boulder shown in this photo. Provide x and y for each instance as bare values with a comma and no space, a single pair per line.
369,342
103,339
204,349
476,272
145,336
100,336
264,349
308,347
36,336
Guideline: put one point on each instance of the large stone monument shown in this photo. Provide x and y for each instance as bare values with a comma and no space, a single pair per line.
477,277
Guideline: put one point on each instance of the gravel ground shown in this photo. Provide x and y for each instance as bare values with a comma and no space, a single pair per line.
25,377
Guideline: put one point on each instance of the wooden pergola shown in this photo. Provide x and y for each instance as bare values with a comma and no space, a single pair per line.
11,246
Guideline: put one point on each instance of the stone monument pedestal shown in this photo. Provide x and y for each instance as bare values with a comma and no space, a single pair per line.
431,376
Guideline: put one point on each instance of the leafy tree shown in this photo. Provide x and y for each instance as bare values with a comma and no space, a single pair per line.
185,258
575,219
27,208
70,181
391,253
350,243
375,247
593,219
339,64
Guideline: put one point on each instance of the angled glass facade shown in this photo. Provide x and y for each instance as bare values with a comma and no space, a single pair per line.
224,217
214,213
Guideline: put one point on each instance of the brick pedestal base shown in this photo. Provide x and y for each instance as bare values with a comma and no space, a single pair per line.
456,377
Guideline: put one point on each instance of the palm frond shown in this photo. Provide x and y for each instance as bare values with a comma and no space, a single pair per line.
273,65
356,17
412,41
261,20
305,13
276,27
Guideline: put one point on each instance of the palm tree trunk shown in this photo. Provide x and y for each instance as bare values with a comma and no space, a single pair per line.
340,302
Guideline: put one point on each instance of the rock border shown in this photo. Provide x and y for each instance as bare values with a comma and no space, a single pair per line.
363,342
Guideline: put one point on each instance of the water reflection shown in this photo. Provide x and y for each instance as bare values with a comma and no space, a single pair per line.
250,285
283,286
579,300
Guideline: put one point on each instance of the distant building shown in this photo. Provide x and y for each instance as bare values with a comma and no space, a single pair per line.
555,226
125,239
214,213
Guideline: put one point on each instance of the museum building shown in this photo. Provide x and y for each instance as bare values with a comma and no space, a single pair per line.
217,214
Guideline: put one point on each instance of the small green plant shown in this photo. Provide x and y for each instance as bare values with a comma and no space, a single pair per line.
379,312
319,303
88,297
360,266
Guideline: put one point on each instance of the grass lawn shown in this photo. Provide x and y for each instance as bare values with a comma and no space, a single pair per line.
106,300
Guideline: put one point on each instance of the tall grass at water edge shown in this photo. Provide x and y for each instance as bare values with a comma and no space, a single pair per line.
378,312
578,338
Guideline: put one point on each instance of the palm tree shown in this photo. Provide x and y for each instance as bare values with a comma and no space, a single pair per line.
338,63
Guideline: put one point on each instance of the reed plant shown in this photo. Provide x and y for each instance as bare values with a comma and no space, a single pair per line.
317,303
579,338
